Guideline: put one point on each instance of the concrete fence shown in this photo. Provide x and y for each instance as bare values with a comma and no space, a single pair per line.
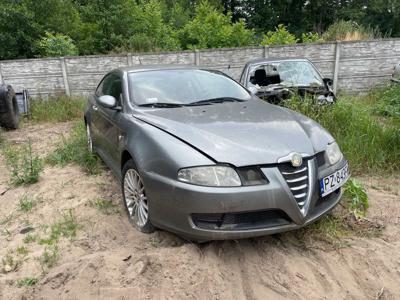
354,66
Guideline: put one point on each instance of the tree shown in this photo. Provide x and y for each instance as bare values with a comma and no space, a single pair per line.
281,36
56,45
210,28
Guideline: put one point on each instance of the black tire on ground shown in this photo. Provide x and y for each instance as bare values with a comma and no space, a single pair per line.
9,111
147,227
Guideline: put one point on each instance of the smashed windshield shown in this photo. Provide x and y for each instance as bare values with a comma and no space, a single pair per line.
183,87
287,73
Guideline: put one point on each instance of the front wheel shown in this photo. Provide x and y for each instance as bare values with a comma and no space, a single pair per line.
135,198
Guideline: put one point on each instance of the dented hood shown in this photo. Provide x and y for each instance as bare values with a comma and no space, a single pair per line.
240,133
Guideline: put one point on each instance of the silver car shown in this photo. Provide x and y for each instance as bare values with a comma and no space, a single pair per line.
199,155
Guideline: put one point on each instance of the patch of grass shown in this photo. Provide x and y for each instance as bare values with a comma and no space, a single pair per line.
10,263
386,101
358,198
66,227
26,203
49,257
25,166
56,109
75,150
30,238
7,219
22,250
27,281
106,207
370,145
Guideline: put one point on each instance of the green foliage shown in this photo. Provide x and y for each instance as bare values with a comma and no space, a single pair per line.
56,45
210,28
25,167
26,203
56,109
358,198
311,37
281,36
27,281
349,31
74,150
30,238
22,250
106,207
66,227
49,257
369,144
386,101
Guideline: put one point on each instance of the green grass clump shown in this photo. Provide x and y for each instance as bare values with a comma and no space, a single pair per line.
49,257
26,203
358,198
66,227
106,207
25,166
386,101
371,146
74,150
27,281
56,109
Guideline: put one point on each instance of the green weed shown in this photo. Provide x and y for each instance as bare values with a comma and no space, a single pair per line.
74,150
27,281
56,109
25,167
358,198
49,257
107,207
30,238
26,203
66,227
22,250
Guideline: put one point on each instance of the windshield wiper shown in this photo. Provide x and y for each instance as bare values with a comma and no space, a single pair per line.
161,105
215,100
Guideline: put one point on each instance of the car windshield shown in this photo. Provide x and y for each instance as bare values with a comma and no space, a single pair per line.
183,87
287,73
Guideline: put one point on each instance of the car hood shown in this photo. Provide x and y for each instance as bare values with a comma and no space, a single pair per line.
240,133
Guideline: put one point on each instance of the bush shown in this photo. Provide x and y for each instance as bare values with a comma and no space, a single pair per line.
281,36
24,166
56,109
74,149
349,31
368,144
212,29
56,45
311,37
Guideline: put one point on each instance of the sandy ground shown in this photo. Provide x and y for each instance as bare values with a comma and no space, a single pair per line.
108,259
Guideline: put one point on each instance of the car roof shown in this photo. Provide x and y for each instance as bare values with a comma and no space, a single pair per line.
273,59
141,68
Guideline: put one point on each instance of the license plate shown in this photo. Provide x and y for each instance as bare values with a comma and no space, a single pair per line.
334,181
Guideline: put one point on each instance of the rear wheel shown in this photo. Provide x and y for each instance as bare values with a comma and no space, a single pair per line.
9,111
135,198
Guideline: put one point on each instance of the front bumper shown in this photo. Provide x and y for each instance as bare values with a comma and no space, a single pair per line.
196,212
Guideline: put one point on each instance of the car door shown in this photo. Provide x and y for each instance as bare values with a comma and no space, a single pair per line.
107,121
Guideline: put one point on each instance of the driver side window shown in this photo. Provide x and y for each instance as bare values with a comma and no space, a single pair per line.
110,85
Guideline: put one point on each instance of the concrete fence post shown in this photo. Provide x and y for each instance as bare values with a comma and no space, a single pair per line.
1,76
196,57
336,68
129,59
65,76
266,51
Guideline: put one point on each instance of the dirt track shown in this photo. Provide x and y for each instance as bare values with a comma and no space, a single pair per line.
110,260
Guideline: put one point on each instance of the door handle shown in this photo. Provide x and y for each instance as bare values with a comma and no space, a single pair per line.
95,107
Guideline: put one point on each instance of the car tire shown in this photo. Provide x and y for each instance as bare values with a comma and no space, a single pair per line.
9,111
135,199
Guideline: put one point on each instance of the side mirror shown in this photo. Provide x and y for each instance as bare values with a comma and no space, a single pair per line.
328,81
253,90
107,101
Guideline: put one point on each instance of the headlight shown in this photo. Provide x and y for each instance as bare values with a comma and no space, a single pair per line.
333,153
210,176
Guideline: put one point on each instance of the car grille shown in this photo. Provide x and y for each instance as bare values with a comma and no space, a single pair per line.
241,220
297,178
